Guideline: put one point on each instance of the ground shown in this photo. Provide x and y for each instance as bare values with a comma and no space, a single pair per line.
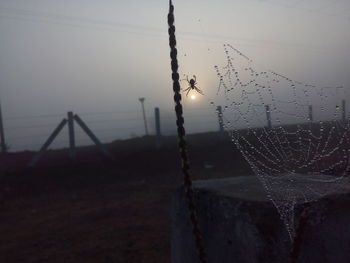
96,210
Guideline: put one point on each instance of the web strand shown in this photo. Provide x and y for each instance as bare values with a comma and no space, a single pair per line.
290,132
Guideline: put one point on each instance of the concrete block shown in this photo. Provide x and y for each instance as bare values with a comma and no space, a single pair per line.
240,224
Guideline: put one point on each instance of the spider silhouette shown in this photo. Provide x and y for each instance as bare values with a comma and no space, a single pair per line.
192,86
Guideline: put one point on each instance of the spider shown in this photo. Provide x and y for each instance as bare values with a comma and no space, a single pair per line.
192,86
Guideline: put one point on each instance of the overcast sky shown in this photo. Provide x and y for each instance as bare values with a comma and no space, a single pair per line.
100,56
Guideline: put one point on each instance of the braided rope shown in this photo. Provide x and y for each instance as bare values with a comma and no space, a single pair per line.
181,136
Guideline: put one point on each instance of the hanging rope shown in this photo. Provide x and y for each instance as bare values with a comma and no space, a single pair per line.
181,136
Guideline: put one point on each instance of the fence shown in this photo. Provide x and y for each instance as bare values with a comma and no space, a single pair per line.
30,132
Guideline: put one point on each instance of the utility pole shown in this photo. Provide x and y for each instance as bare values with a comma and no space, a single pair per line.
268,116
311,119
2,134
144,114
221,122
158,133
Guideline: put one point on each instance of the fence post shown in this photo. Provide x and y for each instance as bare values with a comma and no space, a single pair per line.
142,100
92,136
311,119
221,123
47,143
72,152
268,116
158,133
2,134
343,111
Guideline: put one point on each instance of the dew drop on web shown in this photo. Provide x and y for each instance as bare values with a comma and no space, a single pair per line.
284,140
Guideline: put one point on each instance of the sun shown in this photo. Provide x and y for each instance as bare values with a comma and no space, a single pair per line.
193,97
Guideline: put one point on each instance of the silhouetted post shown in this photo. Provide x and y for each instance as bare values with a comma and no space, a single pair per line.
71,135
310,114
47,143
268,116
343,110
92,136
2,134
158,133
144,114
221,123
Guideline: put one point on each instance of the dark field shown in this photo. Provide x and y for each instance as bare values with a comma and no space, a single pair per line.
95,210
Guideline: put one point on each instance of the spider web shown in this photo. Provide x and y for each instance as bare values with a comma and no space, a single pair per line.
294,135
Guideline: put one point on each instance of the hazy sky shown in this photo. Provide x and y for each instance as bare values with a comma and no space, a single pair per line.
100,56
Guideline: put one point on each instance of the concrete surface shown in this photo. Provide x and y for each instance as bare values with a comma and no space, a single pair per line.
241,225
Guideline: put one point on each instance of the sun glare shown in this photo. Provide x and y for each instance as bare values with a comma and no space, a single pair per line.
193,97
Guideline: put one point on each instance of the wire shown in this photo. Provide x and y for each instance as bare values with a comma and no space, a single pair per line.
27,136
116,129
327,5
111,120
30,127
309,11
91,21
32,117
34,16
297,2
11,118
111,112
